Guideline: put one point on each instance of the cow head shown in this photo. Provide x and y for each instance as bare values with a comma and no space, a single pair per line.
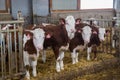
62,21
38,38
86,33
102,34
70,26
26,36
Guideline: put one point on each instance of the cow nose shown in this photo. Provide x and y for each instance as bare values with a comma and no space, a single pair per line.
86,41
72,30
40,48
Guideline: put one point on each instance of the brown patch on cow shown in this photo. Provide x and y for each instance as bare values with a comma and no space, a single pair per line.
29,47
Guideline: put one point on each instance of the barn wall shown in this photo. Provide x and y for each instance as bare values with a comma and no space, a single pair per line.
85,14
116,4
22,5
41,7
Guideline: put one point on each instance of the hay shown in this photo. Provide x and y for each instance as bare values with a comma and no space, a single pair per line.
47,70
109,74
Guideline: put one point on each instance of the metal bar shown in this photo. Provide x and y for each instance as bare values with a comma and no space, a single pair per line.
20,47
119,43
16,61
2,66
8,31
11,70
4,53
9,56
11,22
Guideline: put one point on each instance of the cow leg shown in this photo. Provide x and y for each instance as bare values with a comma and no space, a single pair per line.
44,56
57,66
113,43
26,63
38,53
95,52
56,52
76,57
61,54
73,55
34,64
88,53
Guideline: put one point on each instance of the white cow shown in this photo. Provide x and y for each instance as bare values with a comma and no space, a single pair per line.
30,59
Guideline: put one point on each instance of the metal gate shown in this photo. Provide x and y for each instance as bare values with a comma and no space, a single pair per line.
116,38
11,57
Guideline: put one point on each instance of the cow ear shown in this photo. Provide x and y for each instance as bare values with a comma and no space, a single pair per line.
48,36
107,32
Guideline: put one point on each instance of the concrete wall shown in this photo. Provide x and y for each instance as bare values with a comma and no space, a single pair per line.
85,14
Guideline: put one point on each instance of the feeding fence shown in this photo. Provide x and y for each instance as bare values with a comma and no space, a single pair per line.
11,57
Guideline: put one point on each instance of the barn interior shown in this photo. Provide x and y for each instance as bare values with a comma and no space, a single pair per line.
34,12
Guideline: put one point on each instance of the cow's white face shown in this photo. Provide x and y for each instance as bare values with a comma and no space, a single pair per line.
70,26
86,34
38,38
102,34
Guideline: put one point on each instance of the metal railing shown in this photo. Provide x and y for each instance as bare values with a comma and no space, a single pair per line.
48,19
106,46
11,57
103,22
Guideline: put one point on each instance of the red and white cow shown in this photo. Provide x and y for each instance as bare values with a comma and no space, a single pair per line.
96,38
32,43
79,41
59,40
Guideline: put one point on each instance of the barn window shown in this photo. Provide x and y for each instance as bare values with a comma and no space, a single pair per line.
4,6
96,4
64,4
56,5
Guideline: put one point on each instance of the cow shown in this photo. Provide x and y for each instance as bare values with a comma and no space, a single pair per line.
59,37
81,38
32,43
93,22
86,29
97,36
76,43
92,37
58,41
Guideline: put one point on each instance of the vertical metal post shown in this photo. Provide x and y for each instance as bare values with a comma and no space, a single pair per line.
20,28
